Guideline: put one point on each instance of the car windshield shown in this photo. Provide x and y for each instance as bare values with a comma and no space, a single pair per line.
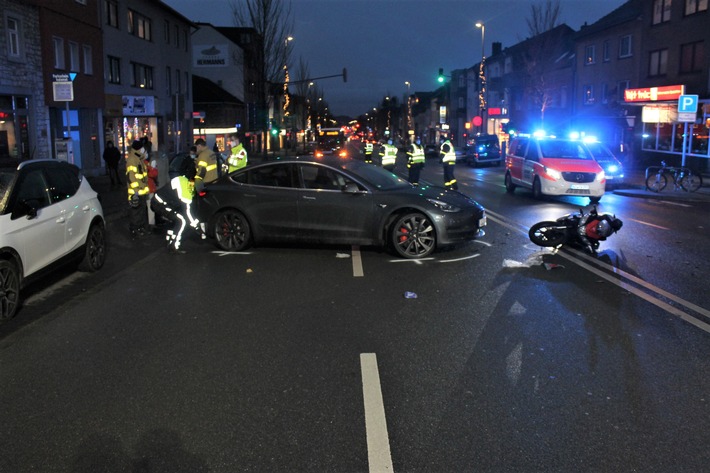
599,151
376,176
563,149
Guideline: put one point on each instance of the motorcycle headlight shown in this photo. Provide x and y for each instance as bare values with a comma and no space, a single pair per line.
553,173
446,207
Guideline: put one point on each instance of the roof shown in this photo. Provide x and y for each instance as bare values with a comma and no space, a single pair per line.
629,11
206,91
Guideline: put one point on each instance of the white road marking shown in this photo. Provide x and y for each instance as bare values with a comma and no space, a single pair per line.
357,262
415,261
646,223
228,253
459,259
379,457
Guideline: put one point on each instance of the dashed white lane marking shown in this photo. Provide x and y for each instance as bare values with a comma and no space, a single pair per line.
357,262
379,457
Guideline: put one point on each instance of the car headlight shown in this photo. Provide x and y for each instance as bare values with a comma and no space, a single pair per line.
446,207
600,177
553,173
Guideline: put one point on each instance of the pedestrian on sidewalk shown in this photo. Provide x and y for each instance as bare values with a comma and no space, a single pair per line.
112,156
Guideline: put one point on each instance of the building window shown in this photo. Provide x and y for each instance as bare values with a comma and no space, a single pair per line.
590,54
168,81
14,37
603,95
166,31
691,57
178,84
88,60
74,56
187,85
625,49
114,70
139,25
508,66
111,13
661,11
658,63
177,36
186,42
605,51
588,92
141,76
695,6
58,44
621,87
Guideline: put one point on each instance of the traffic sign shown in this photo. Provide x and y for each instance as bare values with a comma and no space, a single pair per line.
688,104
63,91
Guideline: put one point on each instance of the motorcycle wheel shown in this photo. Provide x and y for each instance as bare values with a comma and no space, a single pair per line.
547,234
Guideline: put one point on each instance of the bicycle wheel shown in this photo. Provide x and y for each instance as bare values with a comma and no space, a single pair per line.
656,182
691,182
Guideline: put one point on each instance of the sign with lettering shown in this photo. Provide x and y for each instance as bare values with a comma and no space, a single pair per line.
654,94
215,55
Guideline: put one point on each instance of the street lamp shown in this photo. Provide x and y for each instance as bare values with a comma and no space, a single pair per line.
409,108
482,75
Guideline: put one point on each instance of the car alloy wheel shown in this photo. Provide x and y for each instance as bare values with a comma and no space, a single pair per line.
95,252
413,236
232,231
9,290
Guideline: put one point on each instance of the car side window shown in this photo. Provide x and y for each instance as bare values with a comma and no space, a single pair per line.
319,177
531,154
32,191
63,183
278,175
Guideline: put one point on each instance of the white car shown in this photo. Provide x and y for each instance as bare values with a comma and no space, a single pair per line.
49,216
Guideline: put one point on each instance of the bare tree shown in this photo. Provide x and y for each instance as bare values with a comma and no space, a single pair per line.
271,19
543,16
543,49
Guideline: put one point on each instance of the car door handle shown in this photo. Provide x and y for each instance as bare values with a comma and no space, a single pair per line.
86,208
60,220
309,197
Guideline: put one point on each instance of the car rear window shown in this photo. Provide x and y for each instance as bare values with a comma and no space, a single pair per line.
563,149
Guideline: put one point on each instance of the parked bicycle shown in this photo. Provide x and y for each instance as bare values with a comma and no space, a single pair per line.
683,178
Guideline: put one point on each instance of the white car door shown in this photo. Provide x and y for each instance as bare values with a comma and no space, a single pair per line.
35,227
77,199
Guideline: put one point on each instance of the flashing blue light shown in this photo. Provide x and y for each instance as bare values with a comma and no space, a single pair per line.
539,134
574,135
590,139
613,169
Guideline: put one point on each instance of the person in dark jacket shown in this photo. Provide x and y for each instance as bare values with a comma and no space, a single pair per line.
112,156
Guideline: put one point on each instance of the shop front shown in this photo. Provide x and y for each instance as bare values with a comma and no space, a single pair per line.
14,134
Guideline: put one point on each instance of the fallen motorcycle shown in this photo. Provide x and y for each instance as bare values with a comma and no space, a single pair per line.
583,229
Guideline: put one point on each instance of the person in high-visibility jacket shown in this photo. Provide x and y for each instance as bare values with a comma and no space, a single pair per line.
174,203
137,180
448,159
238,157
388,155
415,161
206,165
369,148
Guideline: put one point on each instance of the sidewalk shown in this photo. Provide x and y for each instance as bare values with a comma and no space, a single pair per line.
635,186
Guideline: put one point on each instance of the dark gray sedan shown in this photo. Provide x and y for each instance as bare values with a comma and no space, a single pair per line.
335,202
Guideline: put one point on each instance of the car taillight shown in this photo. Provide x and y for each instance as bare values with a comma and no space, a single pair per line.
202,193
343,154
319,154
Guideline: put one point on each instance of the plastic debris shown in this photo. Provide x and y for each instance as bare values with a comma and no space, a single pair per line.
410,295
551,266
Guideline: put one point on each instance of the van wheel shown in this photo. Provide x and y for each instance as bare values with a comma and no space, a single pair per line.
595,200
509,186
537,188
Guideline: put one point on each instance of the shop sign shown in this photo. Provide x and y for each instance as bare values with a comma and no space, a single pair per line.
138,105
210,56
653,94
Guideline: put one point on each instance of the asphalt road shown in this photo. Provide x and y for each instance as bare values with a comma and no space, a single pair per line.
320,359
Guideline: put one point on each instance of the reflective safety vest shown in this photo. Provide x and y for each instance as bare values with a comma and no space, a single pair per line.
415,154
368,148
238,158
136,174
447,152
207,166
184,188
388,154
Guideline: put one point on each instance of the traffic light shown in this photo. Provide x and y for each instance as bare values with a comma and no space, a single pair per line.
440,78
274,130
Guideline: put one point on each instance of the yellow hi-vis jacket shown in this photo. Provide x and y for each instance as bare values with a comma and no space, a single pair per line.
415,154
238,158
388,154
136,174
448,155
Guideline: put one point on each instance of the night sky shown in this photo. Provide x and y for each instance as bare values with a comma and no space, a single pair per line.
384,43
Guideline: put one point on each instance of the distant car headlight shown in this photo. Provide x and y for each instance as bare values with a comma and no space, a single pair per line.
612,169
446,207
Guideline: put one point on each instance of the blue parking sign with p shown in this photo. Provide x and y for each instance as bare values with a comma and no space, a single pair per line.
688,103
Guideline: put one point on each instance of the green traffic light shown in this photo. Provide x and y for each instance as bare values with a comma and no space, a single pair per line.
440,79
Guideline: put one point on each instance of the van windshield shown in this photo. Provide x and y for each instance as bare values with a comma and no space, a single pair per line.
563,149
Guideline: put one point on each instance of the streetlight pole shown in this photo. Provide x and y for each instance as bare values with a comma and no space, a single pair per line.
482,75
409,108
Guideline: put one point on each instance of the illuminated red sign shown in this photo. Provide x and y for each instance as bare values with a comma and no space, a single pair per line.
494,111
653,94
